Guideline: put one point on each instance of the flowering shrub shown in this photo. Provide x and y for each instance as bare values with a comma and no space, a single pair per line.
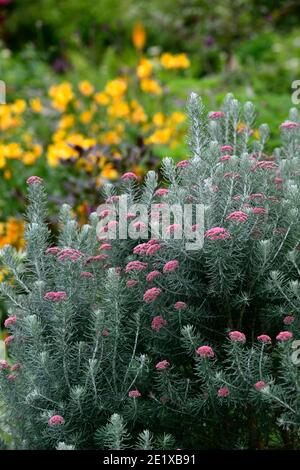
184,351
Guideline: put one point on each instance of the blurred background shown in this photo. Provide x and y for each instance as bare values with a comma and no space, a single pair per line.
98,87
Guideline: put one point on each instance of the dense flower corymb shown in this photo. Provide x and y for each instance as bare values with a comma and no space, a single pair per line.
217,233
10,321
162,365
223,392
180,305
284,336
264,339
205,351
134,394
237,336
170,266
56,420
238,216
157,323
34,180
56,296
151,294
260,385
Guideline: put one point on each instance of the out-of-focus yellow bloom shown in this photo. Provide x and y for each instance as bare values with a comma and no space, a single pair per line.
12,150
7,174
86,88
139,36
160,137
109,172
174,61
2,158
118,109
12,233
256,134
37,150
59,151
149,85
66,121
176,118
116,88
3,274
61,95
144,69
19,106
86,117
110,138
138,114
101,98
158,119
36,105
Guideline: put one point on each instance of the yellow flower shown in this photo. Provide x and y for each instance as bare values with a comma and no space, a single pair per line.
61,95
119,109
29,158
86,117
12,233
148,85
13,150
116,88
177,118
109,172
144,69
160,137
158,119
66,121
174,61
19,106
7,174
139,36
2,158
36,105
101,98
138,114
110,138
37,150
86,88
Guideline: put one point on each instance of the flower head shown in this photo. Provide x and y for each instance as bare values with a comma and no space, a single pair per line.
134,394
135,266
131,283
3,364
205,351
10,321
151,294
86,274
288,320
284,336
129,176
56,296
157,323
170,266
226,148
289,125
34,180
260,385
162,365
180,305
216,115
264,339
237,216
161,192
223,392
56,420
8,340
152,275
183,164
237,336
217,233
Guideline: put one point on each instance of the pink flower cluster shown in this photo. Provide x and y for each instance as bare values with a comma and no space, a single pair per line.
34,180
217,233
284,336
56,420
92,259
4,364
131,283
223,392
226,148
225,158
180,305
134,394
264,339
157,323
151,294
289,125
216,115
56,296
289,319
152,275
183,164
173,228
10,321
69,253
205,351
260,385
162,365
238,216
53,250
149,248
161,192
170,266
265,165
258,210
135,266
105,246
237,336
9,339
129,176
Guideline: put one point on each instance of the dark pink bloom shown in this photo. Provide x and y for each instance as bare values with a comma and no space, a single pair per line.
225,158
140,249
70,253
129,176
289,125
10,321
288,320
284,336
105,213
91,259
170,266
55,296
223,392
157,323
238,216
183,164
56,420
111,199
260,385
8,340
15,367
180,305
216,114
135,266
173,228
139,225
152,249
3,364
217,233
265,165
131,283
11,377
151,294
152,275
258,210
134,394
264,339
237,336
86,274
237,197
205,351
53,250
162,365
226,148
161,192
105,333
105,246
34,180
